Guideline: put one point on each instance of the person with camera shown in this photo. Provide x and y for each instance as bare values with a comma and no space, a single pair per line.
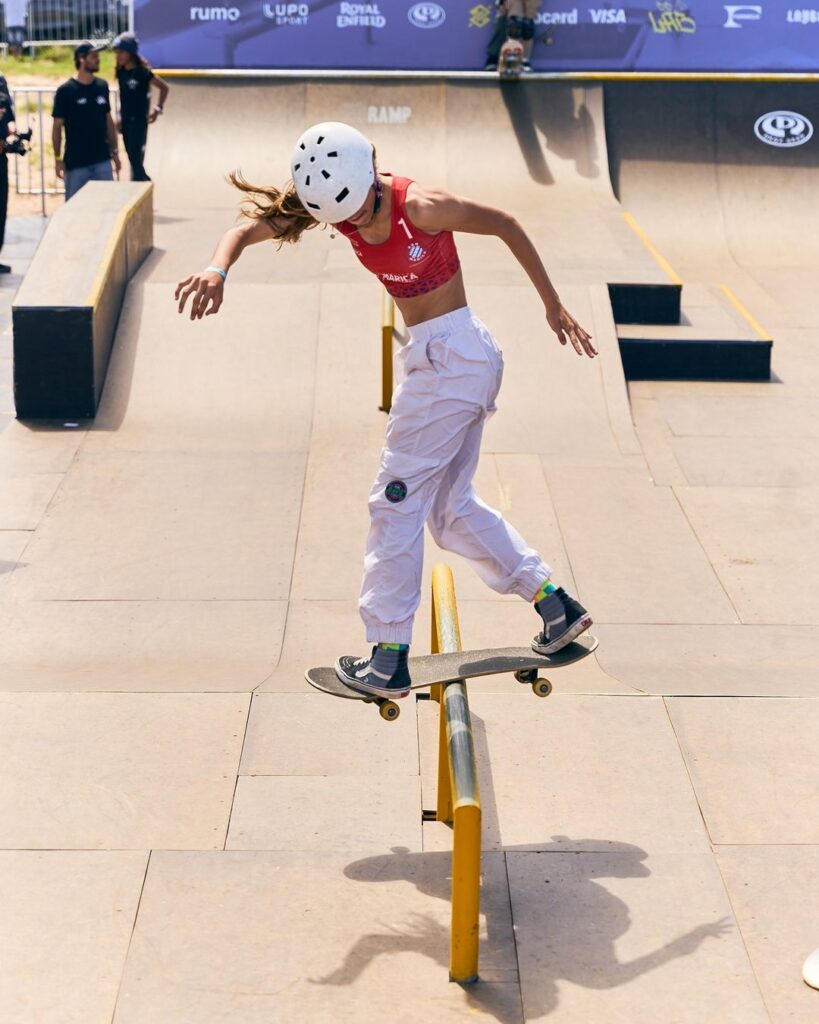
82,106
135,78
8,129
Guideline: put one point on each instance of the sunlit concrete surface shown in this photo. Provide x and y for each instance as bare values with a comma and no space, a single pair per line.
190,834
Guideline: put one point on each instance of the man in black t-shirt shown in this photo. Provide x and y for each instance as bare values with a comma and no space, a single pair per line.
83,108
135,78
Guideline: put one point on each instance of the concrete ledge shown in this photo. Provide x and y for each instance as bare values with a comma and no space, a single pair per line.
646,303
66,311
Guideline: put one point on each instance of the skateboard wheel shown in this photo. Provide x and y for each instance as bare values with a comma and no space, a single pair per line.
389,710
541,687
526,675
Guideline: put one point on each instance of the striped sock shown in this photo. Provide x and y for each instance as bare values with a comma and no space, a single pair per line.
546,588
388,659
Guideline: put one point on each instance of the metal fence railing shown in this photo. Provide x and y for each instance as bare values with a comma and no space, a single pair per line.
32,23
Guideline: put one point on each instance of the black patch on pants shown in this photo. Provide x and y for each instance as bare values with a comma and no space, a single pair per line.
395,491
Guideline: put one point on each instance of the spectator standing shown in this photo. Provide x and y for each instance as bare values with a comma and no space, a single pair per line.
7,128
135,77
82,106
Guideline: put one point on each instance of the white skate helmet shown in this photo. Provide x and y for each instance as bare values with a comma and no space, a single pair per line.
332,168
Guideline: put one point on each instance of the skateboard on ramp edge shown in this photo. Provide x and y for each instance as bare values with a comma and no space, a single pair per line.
510,60
430,669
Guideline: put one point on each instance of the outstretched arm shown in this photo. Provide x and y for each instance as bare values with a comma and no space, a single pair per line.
164,89
434,210
207,287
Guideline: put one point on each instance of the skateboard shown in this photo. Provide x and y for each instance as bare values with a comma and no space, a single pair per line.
510,61
430,669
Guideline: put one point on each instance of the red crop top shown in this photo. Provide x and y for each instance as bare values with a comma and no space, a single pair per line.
410,262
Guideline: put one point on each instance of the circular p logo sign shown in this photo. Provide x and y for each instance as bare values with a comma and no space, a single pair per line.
783,128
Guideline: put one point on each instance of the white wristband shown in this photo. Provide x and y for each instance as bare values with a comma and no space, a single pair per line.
217,270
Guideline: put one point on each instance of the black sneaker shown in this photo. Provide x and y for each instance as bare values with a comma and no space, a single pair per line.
491,65
383,674
564,619
525,67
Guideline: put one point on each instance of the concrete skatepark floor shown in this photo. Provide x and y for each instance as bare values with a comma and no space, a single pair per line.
190,835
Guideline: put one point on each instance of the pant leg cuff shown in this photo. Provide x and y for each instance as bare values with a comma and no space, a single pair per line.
527,583
389,633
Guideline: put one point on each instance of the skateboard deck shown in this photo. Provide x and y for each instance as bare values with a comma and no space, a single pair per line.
510,61
430,669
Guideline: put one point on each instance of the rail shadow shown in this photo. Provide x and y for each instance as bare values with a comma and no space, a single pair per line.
559,935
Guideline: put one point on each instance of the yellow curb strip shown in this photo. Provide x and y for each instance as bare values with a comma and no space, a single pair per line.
658,256
114,236
757,326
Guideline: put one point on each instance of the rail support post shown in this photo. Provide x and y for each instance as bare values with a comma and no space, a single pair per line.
387,334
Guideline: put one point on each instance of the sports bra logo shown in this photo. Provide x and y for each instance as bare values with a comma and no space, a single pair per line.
399,278
416,252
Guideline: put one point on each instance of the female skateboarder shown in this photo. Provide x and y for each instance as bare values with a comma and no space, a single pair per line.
452,367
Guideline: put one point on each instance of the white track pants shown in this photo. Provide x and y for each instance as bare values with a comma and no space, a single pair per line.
452,370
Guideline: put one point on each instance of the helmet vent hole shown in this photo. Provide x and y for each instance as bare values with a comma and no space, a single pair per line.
334,153
307,180
314,206
298,166
302,146
325,175
320,140
342,195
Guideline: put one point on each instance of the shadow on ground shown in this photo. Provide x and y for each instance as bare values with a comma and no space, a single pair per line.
591,921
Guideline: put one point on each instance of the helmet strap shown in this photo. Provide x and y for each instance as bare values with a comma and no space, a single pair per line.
378,184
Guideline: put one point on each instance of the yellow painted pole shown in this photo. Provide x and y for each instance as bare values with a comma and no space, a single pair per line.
446,636
387,332
458,795
466,895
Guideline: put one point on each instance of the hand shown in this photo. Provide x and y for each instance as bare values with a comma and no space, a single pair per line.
117,163
154,114
60,169
687,944
568,329
207,289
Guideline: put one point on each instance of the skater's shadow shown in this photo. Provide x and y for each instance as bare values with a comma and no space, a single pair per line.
543,912
565,928
550,120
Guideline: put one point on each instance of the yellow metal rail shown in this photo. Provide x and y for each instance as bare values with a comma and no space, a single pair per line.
459,801
387,335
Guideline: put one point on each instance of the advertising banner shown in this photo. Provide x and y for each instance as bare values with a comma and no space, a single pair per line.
452,35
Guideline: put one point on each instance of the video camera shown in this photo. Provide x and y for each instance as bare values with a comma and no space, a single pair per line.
17,145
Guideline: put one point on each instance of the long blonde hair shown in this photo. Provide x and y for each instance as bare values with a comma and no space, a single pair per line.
274,205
